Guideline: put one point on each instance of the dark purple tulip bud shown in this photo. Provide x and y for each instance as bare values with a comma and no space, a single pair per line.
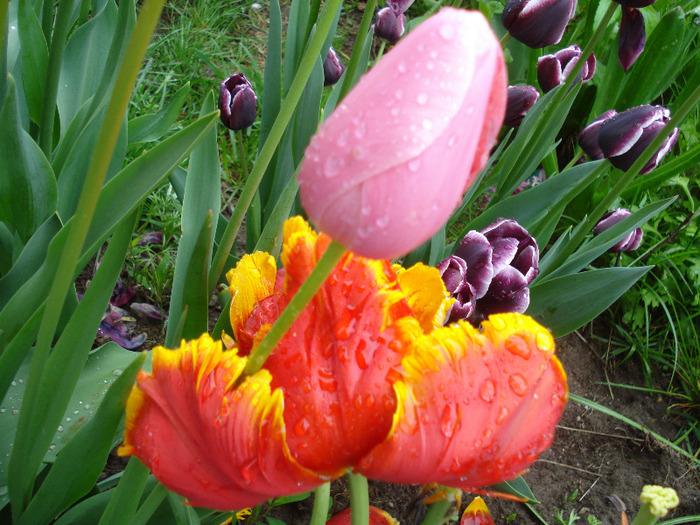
513,246
520,100
623,137
237,102
632,37
453,271
552,70
537,23
399,6
588,139
476,251
630,242
332,68
389,25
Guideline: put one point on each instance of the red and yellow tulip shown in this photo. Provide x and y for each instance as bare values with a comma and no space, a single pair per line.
367,378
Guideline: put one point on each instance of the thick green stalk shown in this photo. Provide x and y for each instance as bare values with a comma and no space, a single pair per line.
436,512
362,34
306,292
359,499
623,181
322,496
645,516
53,72
21,468
273,139
4,4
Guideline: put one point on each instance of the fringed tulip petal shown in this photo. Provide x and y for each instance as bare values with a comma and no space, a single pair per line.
475,408
426,295
376,517
251,281
477,513
219,445
389,166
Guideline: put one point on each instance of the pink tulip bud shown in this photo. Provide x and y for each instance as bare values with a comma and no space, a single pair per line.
389,166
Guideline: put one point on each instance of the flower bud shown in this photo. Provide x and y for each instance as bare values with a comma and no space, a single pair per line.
237,102
537,23
387,168
390,25
552,70
632,37
520,100
500,261
477,514
588,139
332,68
630,242
453,271
622,137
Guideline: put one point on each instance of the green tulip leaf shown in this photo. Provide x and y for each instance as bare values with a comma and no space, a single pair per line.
566,303
84,63
28,190
149,128
201,203
89,448
35,57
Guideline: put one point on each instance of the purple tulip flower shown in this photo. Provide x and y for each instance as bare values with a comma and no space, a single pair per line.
490,271
537,23
635,3
630,242
552,70
632,37
399,6
390,25
520,100
332,68
237,102
622,137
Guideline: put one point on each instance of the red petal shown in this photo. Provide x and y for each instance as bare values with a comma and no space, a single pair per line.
475,408
219,446
376,517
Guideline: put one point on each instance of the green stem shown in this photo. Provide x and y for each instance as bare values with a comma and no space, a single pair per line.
625,179
506,38
21,468
322,496
436,512
53,72
359,499
4,4
273,139
362,33
306,292
240,142
644,516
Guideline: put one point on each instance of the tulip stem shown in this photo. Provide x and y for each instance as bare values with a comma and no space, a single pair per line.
240,143
359,499
274,137
506,38
436,512
322,496
357,48
306,292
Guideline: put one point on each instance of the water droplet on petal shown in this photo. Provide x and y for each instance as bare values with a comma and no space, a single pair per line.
301,427
543,342
422,98
487,392
332,167
449,420
516,345
502,415
414,165
518,384
447,32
